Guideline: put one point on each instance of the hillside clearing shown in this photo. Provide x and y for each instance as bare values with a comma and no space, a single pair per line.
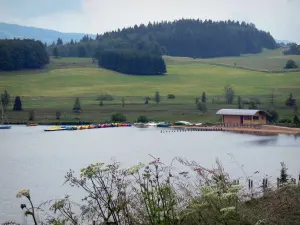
55,87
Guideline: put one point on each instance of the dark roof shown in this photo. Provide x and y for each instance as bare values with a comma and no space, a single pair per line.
240,112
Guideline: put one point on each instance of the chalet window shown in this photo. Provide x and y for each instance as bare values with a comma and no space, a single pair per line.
255,117
247,117
262,117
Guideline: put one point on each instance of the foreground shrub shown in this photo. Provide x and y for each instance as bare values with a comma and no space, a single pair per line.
157,194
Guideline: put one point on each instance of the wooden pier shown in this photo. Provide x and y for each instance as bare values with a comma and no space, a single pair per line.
248,129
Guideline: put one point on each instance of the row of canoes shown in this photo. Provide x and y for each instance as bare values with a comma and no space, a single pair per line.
84,127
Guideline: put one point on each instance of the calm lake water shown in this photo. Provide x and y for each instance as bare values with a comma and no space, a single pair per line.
37,160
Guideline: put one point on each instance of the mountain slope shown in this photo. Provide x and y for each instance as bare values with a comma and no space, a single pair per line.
16,31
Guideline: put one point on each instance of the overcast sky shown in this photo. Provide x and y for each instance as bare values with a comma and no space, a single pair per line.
280,17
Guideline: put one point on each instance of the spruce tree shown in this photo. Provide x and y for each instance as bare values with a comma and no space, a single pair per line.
5,99
77,106
203,98
239,102
18,104
157,97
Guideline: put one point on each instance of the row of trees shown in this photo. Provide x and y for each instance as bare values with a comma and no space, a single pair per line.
132,62
185,37
88,47
293,49
5,100
19,54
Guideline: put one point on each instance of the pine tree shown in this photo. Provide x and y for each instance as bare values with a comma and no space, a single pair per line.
296,120
157,97
290,101
123,102
203,98
59,41
202,107
55,52
17,104
239,102
5,99
229,94
77,106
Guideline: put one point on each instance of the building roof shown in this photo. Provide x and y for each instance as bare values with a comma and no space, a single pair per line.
240,112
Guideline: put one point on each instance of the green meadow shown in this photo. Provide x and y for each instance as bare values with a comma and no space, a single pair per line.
54,88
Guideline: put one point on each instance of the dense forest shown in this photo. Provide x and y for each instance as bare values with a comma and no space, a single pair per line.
185,37
294,49
19,54
132,62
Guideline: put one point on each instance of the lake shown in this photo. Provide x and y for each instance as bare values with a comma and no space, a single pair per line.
33,159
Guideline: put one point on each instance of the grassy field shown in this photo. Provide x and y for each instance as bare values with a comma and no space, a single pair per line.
268,60
55,87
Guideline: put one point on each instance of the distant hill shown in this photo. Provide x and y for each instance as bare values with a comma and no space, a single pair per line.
185,37
10,31
284,41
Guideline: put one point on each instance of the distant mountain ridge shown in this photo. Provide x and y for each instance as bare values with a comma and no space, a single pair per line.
284,41
10,31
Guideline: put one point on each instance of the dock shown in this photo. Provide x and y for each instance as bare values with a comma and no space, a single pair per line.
255,129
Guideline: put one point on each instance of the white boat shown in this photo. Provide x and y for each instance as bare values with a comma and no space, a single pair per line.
184,123
140,125
2,125
151,124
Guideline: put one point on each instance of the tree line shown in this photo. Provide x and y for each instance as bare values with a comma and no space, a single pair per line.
294,49
19,54
185,37
132,62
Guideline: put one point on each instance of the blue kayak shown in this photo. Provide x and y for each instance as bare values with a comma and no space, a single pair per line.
5,127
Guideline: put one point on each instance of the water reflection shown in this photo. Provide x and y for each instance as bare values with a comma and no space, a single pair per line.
267,141
37,160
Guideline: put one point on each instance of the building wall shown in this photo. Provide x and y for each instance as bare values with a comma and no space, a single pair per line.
231,119
258,118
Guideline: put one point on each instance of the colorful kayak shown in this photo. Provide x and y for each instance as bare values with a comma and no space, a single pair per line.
2,127
84,127
31,124
55,128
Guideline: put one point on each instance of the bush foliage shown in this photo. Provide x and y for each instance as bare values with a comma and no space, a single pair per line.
154,193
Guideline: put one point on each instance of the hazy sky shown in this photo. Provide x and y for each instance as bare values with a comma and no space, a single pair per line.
96,16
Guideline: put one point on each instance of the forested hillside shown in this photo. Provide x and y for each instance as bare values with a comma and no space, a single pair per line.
186,37
22,54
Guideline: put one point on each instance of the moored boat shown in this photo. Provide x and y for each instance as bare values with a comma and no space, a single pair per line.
151,124
2,127
31,125
183,123
140,125
55,128
163,124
